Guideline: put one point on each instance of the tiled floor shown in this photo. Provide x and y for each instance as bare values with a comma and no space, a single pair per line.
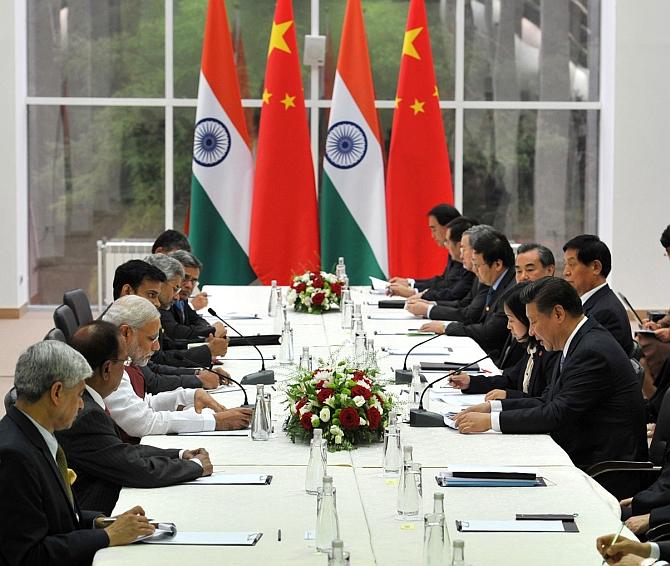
15,336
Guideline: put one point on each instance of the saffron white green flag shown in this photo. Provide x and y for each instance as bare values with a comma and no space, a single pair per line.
352,203
222,182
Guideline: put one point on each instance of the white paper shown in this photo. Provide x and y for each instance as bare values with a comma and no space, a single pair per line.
445,351
207,538
231,479
243,432
513,526
475,468
378,284
393,314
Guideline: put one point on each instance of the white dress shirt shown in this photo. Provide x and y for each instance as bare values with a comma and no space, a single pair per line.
586,296
496,406
157,414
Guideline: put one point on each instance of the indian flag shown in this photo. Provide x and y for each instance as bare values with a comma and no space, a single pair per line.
352,203
222,182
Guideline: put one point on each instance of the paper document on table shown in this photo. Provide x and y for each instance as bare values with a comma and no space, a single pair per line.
400,314
378,284
510,526
476,470
233,479
209,539
243,432
435,351
232,316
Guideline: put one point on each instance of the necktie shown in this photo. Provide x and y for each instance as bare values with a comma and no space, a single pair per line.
529,368
560,364
182,314
489,299
61,462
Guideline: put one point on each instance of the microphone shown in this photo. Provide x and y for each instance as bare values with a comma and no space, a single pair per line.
404,376
265,377
181,357
421,417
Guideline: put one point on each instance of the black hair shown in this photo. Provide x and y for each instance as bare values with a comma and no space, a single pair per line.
171,240
459,225
548,292
97,341
546,255
589,249
444,213
132,273
665,237
511,298
493,246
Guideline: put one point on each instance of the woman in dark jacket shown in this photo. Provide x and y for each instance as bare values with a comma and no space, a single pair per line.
526,378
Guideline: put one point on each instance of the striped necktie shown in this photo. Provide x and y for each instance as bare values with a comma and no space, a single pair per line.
61,462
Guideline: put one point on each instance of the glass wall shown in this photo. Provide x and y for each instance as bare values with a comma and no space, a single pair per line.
521,109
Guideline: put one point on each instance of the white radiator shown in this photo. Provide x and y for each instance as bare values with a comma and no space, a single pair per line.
111,254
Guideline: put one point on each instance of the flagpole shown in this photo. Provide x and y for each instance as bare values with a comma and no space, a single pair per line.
314,100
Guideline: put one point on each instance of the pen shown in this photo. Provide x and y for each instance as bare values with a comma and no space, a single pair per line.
616,537
278,535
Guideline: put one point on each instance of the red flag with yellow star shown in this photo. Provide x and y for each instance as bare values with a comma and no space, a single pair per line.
418,175
284,225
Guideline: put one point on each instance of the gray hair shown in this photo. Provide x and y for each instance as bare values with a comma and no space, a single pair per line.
168,265
43,364
546,255
133,310
187,259
477,232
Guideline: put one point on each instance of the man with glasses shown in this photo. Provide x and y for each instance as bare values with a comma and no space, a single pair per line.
102,461
139,413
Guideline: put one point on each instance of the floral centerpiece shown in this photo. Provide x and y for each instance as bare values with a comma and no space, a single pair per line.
315,292
348,404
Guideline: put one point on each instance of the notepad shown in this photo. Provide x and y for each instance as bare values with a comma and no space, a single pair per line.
399,314
513,526
208,539
378,284
243,432
232,479
444,351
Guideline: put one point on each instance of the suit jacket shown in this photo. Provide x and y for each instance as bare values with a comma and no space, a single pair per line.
592,408
165,378
104,463
468,310
458,282
186,324
607,309
434,282
490,331
176,353
39,526
511,379
510,353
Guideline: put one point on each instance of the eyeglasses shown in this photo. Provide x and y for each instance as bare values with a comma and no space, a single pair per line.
189,279
126,362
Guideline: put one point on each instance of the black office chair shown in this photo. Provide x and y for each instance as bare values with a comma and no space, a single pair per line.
56,334
638,369
636,351
658,533
80,305
65,321
10,399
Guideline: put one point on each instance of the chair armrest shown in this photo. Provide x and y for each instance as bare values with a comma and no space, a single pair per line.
659,533
621,466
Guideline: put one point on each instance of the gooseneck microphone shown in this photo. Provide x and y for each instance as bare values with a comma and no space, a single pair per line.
264,376
404,376
421,417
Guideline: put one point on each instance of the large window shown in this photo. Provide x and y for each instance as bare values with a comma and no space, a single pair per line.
112,92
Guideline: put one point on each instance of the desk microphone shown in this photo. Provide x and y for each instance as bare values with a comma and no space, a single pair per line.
264,376
421,417
404,376
246,399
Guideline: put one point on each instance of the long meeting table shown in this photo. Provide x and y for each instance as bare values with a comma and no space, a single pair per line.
366,501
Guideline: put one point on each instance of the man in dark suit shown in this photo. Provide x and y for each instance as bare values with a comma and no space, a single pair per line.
42,523
102,461
593,407
588,262
438,218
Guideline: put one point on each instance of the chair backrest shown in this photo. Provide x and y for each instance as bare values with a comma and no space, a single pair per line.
10,399
639,371
55,334
659,443
80,305
65,321
635,351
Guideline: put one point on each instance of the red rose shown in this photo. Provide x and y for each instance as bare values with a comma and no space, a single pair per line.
299,287
300,404
323,394
317,282
317,298
349,418
360,390
306,421
374,418
358,375
319,384
381,401
336,288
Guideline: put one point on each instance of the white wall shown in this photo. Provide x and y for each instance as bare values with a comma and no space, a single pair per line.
641,201
13,203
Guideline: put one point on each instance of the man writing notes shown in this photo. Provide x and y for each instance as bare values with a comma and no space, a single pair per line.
593,406
42,523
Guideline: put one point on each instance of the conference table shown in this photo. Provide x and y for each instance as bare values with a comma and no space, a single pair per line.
366,500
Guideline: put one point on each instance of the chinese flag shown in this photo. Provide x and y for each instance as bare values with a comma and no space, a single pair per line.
284,225
418,175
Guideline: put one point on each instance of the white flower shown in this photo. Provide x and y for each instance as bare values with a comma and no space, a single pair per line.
306,408
324,414
315,421
307,301
359,400
363,384
343,397
338,439
330,401
292,296
336,430
381,395
362,421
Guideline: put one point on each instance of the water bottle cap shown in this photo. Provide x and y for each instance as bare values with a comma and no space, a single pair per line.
273,282
318,433
337,543
327,481
407,449
459,543
260,389
340,260
438,495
